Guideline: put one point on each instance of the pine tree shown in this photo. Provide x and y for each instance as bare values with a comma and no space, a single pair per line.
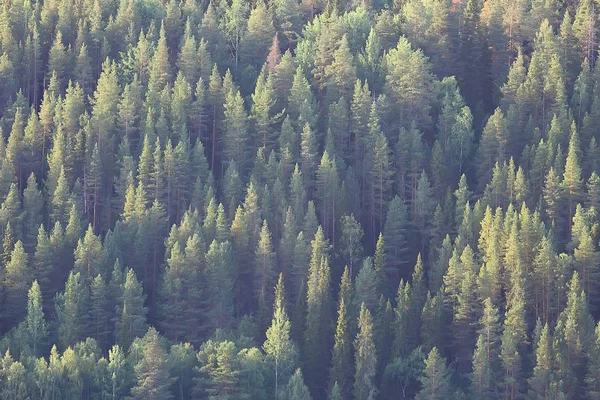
404,340
335,393
235,130
43,263
587,264
219,270
10,211
32,207
350,241
308,156
14,146
152,371
394,237
16,283
327,193
365,356
99,315
341,73
58,60
359,106
407,82
514,336
160,69
486,361
465,311
431,321
317,317
366,285
302,106
296,389
541,380
340,372
255,42
131,313
571,182
72,310
381,175
187,60
36,327
436,378
279,345
263,102
105,112
89,257
264,272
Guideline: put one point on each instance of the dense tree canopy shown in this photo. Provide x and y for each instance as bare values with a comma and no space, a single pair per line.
299,199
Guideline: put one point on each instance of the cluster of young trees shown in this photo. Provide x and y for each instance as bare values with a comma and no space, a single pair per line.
299,200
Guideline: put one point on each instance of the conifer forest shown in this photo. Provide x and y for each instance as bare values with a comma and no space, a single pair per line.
299,199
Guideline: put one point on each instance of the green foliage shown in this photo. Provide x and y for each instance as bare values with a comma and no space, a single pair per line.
436,378
162,163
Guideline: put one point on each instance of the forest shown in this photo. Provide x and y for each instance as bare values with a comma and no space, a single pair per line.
299,199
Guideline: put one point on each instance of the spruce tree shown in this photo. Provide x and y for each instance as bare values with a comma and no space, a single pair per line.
350,241
99,316
16,283
235,137
72,311
436,378
263,101
340,372
36,327
279,345
264,273
296,389
541,380
365,356
394,235
152,370
381,175
131,313
572,182
318,313
486,361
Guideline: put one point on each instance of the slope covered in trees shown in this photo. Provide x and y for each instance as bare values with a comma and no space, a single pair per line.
286,200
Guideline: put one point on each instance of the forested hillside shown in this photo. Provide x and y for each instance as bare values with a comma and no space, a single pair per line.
342,199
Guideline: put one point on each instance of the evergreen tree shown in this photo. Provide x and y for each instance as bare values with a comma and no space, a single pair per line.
235,130
72,310
219,270
131,313
394,237
160,68
350,241
263,101
33,203
279,345
381,175
152,371
264,273
436,378
16,282
99,316
365,356
486,361
571,182
89,257
317,317
366,285
36,327
296,389
541,380
340,372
